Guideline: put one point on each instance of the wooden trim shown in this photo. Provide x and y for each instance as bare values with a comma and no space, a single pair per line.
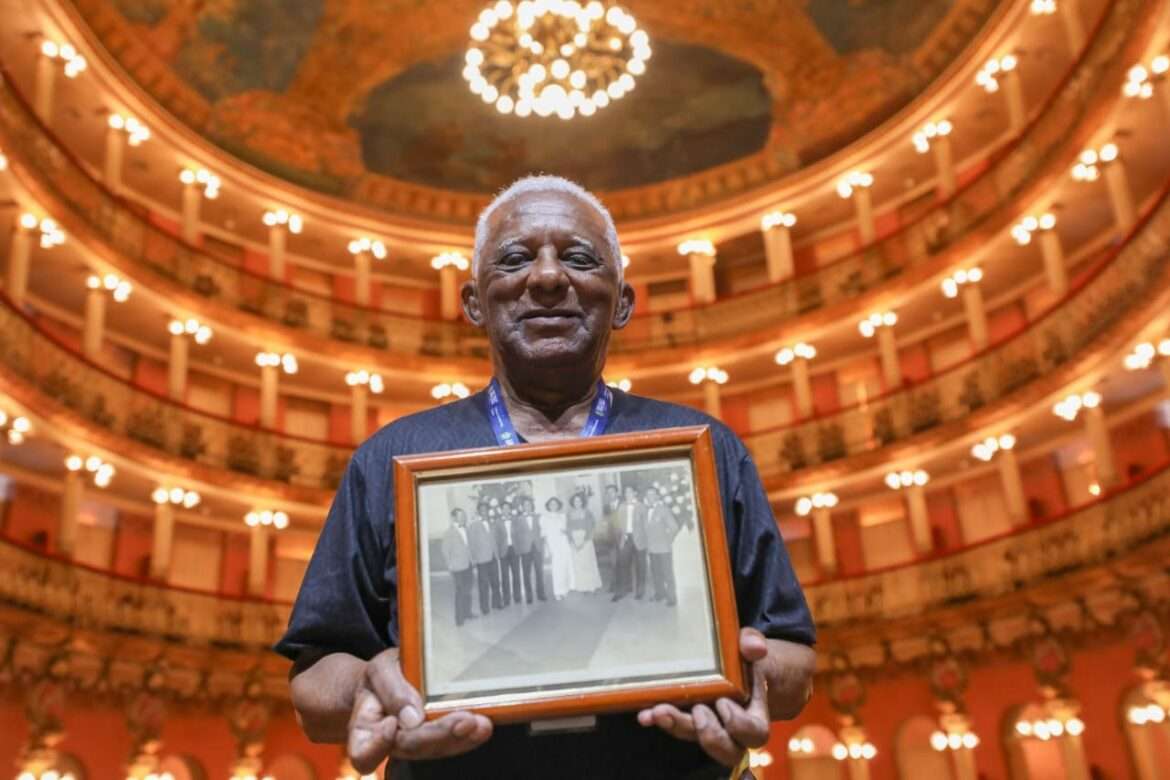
693,443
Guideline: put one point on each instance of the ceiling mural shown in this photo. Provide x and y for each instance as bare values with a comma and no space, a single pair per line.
695,108
330,93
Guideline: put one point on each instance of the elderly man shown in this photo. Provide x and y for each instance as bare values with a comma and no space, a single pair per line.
547,288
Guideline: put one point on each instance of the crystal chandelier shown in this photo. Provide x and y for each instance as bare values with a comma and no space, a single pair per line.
560,57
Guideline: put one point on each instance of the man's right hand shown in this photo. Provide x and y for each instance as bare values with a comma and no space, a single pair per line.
387,721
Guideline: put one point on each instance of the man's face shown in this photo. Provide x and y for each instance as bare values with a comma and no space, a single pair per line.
547,290
459,518
631,494
652,497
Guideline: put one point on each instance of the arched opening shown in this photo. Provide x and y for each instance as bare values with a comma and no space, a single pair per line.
291,766
915,755
810,755
182,767
1033,753
1147,732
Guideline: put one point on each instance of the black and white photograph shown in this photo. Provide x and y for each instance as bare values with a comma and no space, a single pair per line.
563,580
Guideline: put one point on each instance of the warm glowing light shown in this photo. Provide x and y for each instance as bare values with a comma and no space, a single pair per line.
192,327
554,57
1142,715
896,480
823,500
136,132
952,284
284,218
118,288
266,518
777,219
1043,7
456,260
854,180
447,391
1070,407
1088,166
931,130
879,319
203,178
989,75
287,362
366,244
623,384
786,355
986,449
696,246
702,374
363,378
1022,231
74,65
177,496
51,233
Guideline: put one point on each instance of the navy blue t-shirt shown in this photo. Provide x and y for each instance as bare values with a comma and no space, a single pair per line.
348,599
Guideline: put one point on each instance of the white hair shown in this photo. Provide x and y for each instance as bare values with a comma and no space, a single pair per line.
546,183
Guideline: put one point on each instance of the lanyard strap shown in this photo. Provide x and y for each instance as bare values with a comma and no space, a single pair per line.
506,433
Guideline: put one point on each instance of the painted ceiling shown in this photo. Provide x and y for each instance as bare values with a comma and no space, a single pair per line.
330,92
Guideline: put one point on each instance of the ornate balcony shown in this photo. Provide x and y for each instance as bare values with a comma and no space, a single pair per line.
928,244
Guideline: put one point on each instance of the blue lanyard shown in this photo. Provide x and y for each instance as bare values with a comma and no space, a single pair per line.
506,433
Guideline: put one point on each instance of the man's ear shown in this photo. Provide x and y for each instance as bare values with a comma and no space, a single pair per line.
471,309
625,307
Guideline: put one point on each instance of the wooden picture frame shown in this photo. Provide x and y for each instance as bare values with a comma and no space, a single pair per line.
706,659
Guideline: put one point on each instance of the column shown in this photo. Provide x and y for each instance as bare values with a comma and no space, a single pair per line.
1097,431
1054,267
1120,195
700,253
822,522
115,153
449,264
1013,91
976,315
888,350
258,560
269,389
44,87
277,241
919,519
361,278
359,412
802,385
1074,27
70,511
162,540
778,245
944,163
192,199
1164,365
1013,486
177,364
95,319
16,284
449,303
712,402
855,186
963,761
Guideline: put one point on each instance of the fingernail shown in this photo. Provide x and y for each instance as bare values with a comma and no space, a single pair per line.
700,718
409,717
463,728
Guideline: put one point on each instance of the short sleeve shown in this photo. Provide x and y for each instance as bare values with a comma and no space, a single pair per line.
347,598
767,593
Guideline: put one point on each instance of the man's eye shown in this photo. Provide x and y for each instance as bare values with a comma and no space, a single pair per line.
513,259
580,259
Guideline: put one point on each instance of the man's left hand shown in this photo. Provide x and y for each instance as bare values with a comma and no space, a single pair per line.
726,735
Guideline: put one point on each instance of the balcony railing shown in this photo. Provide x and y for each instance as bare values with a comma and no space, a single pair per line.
1123,286
982,202
1109,529
1105,530
69,382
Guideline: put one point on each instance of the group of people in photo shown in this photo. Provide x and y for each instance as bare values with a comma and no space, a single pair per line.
503,549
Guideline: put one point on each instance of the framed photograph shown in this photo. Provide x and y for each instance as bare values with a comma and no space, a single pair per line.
565,578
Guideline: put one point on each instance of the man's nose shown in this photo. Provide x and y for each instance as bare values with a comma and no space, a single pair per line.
547,274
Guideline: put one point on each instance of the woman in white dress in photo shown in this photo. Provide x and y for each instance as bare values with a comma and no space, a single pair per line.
582,525
556,541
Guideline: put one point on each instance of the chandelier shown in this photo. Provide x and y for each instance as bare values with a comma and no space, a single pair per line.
560,57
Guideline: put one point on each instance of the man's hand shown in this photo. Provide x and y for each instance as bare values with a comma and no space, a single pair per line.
726,735
387,720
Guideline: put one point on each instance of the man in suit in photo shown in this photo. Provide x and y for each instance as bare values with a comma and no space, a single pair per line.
529,545
457,554
507,554
661,529
630,528
483,555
